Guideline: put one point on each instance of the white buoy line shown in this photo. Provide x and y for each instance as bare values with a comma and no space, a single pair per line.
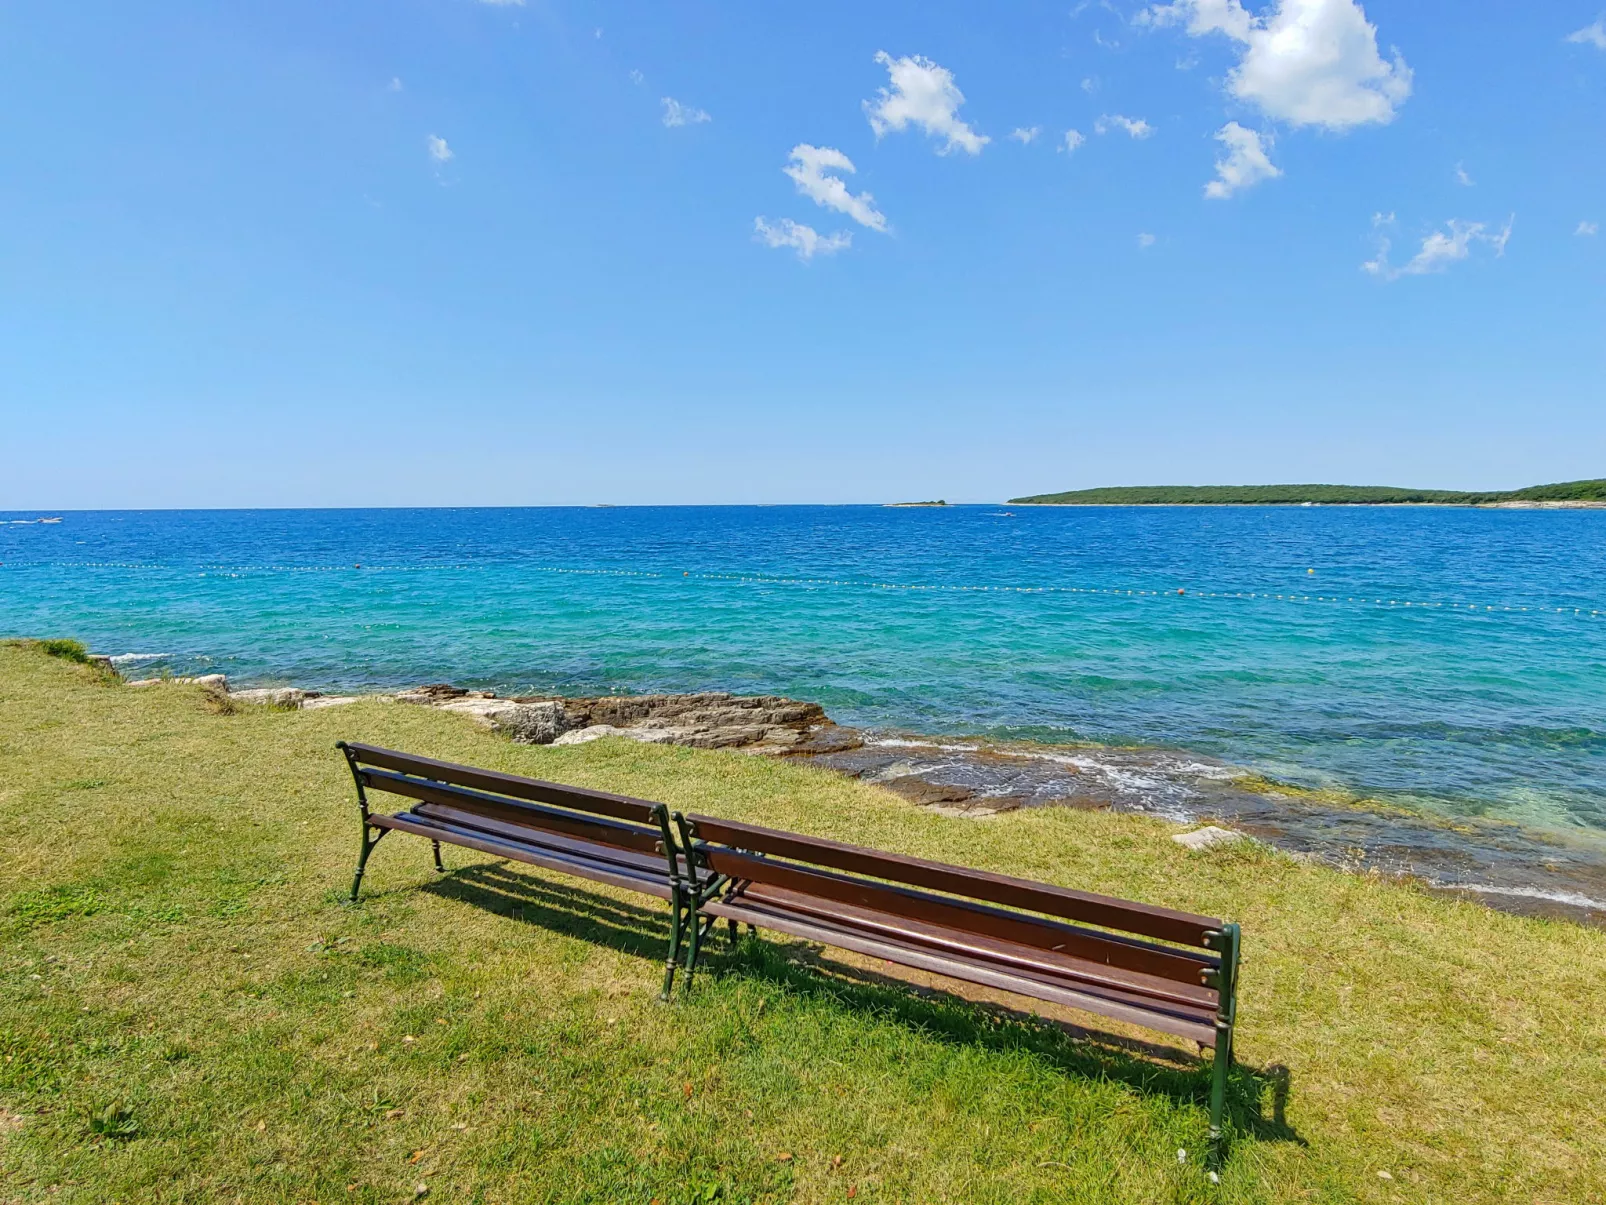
851,583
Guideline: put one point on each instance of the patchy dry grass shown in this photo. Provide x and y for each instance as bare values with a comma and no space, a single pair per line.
189,1012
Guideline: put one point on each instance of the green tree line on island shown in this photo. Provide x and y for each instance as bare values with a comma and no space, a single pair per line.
1293,495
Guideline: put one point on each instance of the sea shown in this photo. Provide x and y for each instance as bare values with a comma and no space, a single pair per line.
1446,664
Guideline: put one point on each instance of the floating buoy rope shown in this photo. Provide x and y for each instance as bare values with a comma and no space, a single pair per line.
760,579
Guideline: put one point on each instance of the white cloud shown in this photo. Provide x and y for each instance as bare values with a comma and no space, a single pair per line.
677,114
1025,134
1145,240
1090,85
1072,140
1591,35
1441,249
1307,62
1134,126
811,169
805,240
504,3
925,94
1382,219
1245,163
636,77
1461,176
438,150
395,84
1587,229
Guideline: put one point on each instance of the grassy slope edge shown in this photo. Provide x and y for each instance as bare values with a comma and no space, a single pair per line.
1262,495
188,1010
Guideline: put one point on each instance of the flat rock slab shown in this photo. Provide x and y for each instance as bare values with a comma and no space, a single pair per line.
1208,837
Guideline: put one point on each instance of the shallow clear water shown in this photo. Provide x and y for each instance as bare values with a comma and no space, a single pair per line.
1454,658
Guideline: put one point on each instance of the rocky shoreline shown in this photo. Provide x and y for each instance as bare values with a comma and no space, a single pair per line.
757,724
1499,865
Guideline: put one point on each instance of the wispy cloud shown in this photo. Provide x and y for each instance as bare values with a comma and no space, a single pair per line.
804,240
1072,140
1145,240
925,95
1461,176
1591,35
1306,62
677,114
812,169
1587,229
438,150
636,77
1441,249
395,84
1135,126
1025,134
1245,163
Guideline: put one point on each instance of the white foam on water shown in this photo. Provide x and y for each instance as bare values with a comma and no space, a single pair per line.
120,657
904,743
1572,898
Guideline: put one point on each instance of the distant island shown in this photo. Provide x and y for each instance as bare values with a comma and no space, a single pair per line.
938,502
1562,494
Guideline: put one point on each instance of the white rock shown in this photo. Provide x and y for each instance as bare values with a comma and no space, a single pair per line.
272,696
645,736
334,701
1205,838
216,683
526,723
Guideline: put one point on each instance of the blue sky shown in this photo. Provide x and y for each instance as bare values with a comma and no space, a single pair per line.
454,252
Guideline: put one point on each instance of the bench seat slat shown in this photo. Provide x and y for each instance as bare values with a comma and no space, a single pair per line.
648,863
1087,999
573,864
964,943
1176,965
532,790
1165,924
517,812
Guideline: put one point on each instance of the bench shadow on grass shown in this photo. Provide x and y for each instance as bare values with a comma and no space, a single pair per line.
642,930
1150,1067
560,906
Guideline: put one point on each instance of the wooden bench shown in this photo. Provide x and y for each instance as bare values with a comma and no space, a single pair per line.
1169,971
589,834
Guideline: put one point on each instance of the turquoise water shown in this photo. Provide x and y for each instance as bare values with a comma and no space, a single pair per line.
1451,658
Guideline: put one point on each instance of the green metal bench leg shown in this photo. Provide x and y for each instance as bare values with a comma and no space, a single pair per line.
1218,1097
1230,942
694,948
677,930
368,843
438,865
731,928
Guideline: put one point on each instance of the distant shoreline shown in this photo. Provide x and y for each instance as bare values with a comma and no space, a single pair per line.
1564,495
1581,504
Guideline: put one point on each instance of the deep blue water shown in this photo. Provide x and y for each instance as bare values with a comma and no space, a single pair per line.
1462,665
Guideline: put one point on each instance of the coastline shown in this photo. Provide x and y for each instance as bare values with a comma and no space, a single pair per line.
1581,504
1499,864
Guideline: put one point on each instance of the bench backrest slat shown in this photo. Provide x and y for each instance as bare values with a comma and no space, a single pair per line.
1145,920
1178,966
516,811
534,790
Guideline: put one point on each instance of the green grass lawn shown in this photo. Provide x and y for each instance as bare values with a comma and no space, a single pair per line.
189,1011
